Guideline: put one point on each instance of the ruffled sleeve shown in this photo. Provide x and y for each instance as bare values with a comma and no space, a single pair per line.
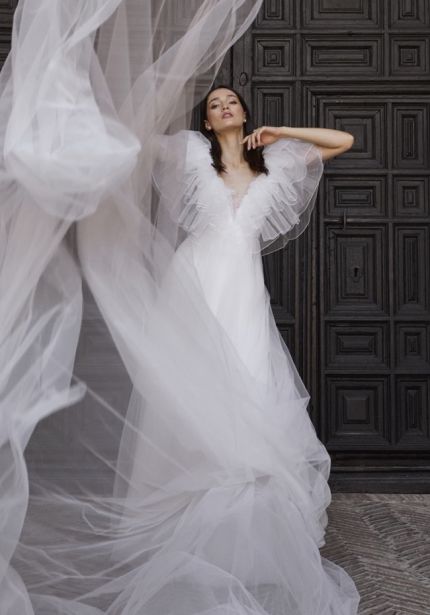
182,175
283,207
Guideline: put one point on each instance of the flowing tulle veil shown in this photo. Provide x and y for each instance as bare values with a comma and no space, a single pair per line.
205,508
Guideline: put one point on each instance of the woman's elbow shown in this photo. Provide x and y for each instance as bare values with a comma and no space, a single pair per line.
349,141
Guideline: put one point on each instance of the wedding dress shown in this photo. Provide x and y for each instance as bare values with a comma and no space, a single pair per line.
224,235
211,490
249,473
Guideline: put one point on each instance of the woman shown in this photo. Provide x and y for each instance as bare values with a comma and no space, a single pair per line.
220,484
245,191
234,463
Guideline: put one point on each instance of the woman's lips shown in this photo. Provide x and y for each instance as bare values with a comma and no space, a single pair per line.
224,115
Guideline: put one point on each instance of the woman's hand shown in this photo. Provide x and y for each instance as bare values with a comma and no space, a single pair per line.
263,136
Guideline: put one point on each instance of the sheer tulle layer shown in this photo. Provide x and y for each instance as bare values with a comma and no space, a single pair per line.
220,500
209,494
276,207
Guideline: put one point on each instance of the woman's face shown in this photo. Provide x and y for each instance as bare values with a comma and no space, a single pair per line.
224,111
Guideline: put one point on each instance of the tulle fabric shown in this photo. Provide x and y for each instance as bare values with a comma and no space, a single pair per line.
208,494
277,207
296,169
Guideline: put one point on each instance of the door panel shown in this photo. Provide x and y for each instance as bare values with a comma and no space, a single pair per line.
359,275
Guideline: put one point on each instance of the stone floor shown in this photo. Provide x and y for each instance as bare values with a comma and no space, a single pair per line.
383,542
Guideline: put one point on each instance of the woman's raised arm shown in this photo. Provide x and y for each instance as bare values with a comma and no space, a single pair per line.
329,141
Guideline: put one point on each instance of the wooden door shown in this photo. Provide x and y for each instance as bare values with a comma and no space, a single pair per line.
351,295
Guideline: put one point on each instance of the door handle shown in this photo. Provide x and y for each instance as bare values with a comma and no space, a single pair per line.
243,79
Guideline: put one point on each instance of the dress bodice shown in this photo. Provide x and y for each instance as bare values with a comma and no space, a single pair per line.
275,205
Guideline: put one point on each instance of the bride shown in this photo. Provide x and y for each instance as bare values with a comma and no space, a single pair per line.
211,491
246,191
246,474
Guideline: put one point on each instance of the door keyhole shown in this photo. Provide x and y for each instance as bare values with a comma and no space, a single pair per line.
356,273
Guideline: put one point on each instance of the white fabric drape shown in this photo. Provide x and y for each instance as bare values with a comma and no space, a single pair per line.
208,509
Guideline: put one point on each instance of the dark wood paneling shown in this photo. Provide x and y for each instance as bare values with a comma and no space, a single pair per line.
360,271
7,8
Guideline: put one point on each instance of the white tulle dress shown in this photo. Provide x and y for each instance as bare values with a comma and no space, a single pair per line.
225,232
248,484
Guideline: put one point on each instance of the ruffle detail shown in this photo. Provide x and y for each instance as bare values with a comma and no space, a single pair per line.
276,207
187,182
280,207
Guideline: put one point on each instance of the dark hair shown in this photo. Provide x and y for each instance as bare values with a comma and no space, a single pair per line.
254,157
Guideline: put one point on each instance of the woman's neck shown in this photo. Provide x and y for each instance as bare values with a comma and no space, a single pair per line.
231,148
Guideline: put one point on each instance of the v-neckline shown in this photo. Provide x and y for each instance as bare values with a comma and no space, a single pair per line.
231,192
